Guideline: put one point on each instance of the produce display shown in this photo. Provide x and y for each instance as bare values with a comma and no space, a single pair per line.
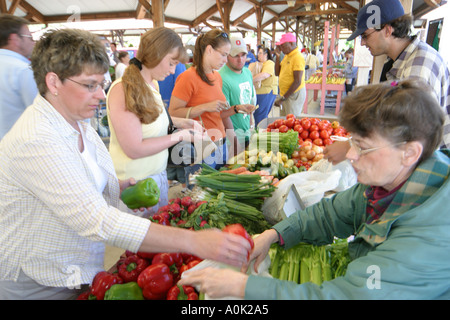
144,276
309,263
334,76
151,276
229,199
282,140
245,187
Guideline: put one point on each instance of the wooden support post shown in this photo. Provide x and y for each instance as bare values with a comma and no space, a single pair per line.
158,13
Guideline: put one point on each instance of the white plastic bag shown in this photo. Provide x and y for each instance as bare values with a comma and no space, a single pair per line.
348,174
263,270
310,185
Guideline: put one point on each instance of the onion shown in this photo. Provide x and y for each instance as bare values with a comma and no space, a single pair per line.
310,155
307,145
317,149
318,157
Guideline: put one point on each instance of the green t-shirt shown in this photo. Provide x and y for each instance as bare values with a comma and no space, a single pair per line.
239,89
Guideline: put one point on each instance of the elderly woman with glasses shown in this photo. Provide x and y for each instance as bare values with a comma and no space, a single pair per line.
397,212
59,192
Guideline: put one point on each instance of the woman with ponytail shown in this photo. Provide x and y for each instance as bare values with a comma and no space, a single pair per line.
137,117
198,93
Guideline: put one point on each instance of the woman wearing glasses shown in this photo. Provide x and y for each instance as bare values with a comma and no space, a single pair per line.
59,192
397,213
198,93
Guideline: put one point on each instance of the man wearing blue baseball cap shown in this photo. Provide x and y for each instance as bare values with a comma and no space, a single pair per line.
385,29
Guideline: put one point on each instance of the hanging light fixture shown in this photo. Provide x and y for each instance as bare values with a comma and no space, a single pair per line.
308,6
291,3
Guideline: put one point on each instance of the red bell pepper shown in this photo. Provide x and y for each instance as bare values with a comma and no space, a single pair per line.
163,257
146,255
130,269
102,282
155,281
179,292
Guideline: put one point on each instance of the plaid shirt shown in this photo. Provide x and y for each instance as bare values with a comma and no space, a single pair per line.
53,221
419,60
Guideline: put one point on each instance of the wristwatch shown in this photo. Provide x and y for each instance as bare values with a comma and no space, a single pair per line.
235,109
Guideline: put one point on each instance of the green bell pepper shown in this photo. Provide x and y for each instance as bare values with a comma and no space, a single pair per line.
144,194
126,291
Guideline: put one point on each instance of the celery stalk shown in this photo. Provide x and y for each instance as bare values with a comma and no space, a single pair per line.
326,266
276,263
304,270
284,272
316,267
292,262
297,257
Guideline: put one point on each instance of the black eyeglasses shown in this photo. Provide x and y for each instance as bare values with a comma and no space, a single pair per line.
93,87
365,36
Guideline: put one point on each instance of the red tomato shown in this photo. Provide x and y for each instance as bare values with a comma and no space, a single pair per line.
300,140
306,124
327,142
324,124
239,230
277,123
314,127
324,134
339,131
290,122
314,135
315,121
290,115
271,126
297,121
298,128
283,128
318,142
304,134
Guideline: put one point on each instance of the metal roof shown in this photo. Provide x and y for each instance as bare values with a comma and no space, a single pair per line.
191,16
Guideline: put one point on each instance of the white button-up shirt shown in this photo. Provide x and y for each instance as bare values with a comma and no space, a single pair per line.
53,221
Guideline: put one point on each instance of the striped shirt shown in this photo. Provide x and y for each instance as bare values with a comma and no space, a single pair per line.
419,60
53,220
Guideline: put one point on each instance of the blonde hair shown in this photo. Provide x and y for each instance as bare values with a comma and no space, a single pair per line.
154,46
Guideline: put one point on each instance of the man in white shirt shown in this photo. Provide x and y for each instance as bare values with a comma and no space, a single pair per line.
17,83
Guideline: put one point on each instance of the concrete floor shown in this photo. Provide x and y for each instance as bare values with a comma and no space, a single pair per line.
113,254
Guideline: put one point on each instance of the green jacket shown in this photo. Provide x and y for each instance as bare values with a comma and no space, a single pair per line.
407,250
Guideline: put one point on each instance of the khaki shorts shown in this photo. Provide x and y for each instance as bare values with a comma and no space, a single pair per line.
294,104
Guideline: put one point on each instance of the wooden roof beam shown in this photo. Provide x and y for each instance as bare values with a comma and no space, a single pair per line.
204,16
37,16
3,6
14,6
